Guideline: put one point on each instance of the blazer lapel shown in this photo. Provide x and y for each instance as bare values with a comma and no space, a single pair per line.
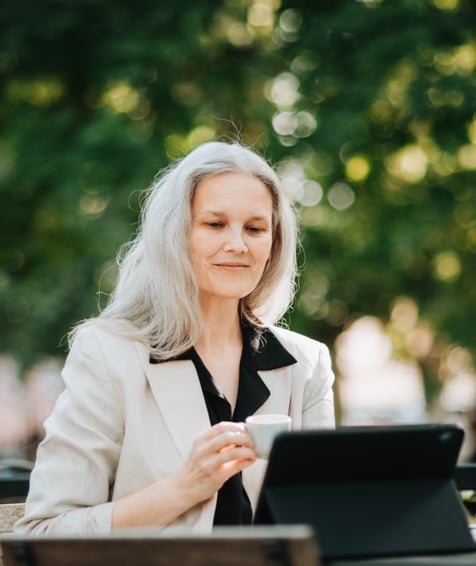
178,393
279,383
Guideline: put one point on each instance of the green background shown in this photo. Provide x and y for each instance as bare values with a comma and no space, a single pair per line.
366,108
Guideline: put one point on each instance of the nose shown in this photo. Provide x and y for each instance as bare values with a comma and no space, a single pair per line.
234,241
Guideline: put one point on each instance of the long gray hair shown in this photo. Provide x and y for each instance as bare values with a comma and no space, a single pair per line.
157,290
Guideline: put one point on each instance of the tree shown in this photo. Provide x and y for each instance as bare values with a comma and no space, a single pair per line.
364,106
390,87
94,101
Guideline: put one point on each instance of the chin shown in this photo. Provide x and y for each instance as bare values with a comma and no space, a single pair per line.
228,294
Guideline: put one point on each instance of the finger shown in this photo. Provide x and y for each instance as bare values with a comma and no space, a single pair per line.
235,467
213,463
232,453
217,468
202,441
221,427
228,440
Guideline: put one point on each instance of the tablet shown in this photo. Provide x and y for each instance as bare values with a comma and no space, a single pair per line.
369,491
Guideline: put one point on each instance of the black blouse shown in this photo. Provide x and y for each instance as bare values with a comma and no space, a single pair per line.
233,505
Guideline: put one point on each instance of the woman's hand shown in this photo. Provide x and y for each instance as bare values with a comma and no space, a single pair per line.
216,455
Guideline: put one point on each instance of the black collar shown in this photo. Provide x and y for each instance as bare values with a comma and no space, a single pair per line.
263,349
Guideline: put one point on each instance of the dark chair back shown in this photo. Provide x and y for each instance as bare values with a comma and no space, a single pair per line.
465,476
14,480
226,546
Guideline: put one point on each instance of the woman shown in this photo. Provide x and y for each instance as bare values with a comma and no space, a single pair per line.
149,430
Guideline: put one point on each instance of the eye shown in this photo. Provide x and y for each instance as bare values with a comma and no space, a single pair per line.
255,229
214,225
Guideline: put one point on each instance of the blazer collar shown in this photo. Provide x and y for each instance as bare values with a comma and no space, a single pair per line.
177,391
268,353
264,350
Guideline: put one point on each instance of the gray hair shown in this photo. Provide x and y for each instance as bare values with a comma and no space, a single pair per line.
157,290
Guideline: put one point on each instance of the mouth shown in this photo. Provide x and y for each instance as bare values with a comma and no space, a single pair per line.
232,265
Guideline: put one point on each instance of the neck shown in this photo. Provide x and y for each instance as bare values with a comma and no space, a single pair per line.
221,325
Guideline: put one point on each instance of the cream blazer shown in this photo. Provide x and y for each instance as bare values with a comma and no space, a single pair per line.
122,423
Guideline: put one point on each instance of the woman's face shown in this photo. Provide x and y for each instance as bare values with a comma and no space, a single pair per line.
231,235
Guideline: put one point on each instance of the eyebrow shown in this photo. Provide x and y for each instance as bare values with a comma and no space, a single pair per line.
219,213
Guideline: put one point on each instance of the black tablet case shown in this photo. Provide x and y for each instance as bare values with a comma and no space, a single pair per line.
369,491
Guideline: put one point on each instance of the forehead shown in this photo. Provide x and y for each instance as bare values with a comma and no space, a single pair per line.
229,188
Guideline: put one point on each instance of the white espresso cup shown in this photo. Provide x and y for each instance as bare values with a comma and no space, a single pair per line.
263,429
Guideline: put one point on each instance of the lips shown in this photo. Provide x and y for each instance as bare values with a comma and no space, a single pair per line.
231,265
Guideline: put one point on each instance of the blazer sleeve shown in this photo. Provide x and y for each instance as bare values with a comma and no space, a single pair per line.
76,462
318,403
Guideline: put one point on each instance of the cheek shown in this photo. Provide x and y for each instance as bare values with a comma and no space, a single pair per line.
267,247
199,245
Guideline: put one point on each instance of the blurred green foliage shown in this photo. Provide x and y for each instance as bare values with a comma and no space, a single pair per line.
366,107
